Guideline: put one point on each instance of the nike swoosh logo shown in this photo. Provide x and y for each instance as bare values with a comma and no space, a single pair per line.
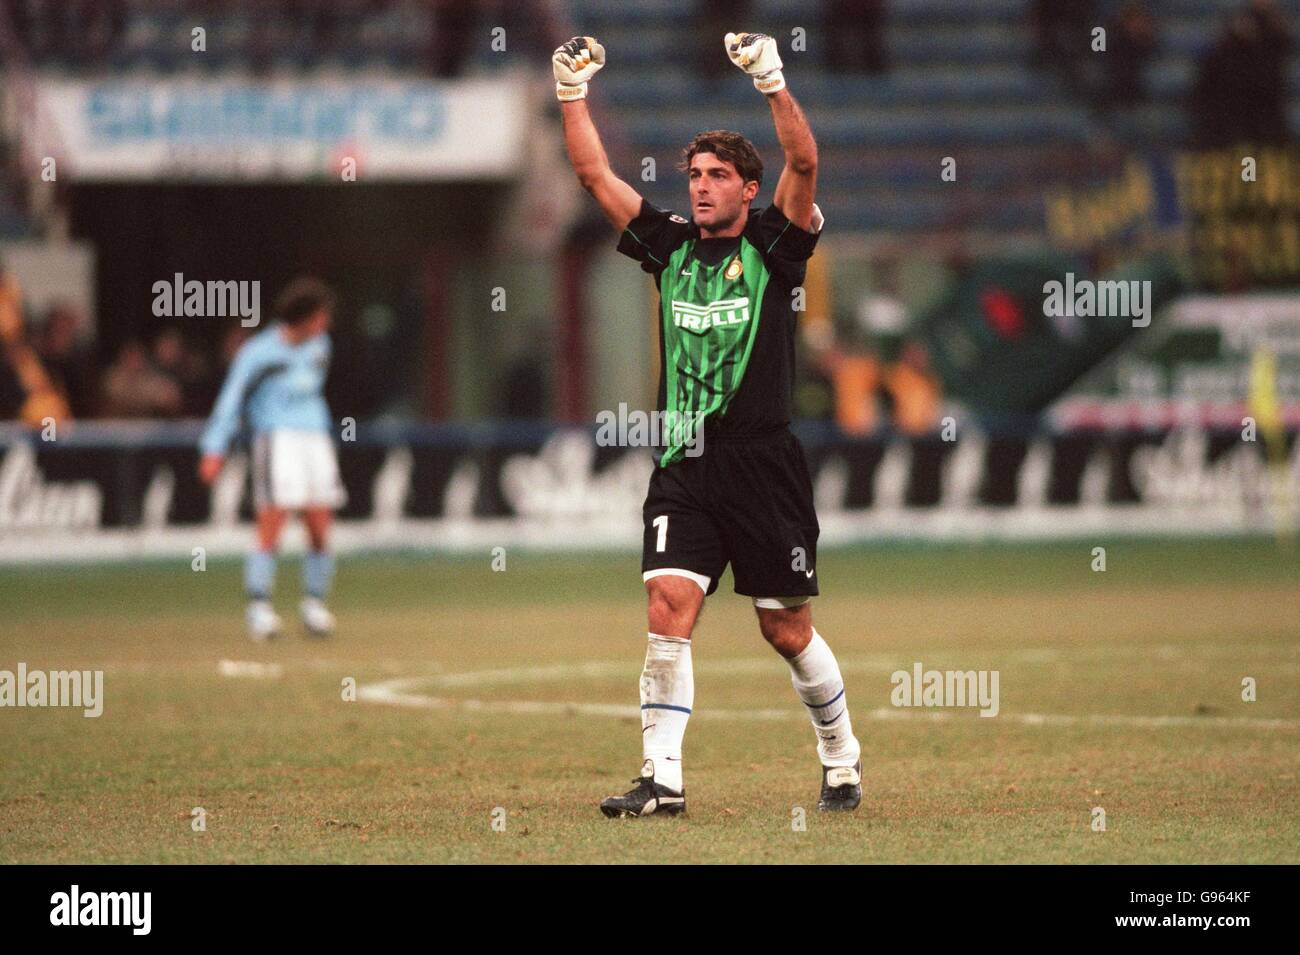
832,719
809,573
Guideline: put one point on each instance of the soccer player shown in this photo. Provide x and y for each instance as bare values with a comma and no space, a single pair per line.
274,390
727,279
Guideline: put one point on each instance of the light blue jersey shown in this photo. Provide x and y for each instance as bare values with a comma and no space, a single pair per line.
271,386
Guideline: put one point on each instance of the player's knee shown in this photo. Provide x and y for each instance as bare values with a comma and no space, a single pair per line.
787,630
318,523
668,616
673,605
270,521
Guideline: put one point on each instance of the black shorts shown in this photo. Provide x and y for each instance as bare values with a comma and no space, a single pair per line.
747,502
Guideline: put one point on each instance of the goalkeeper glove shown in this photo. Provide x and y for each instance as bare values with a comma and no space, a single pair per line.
574,63
756,54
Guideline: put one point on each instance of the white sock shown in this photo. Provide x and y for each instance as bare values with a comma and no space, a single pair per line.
667,695
817,681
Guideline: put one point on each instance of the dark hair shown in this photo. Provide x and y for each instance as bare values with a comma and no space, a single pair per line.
728,147
301,299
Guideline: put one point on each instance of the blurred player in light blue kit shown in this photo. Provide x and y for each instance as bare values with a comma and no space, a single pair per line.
274,394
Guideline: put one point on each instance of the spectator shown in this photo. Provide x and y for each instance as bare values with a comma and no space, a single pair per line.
1275,53
134,388
1240,91
1131,42
26,391
452,39
12,395
855,36
914,390
72,32
1062,37
174,359
65,358
714,20
101,26
12,392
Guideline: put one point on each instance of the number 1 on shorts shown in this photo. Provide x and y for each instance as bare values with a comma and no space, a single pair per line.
661,542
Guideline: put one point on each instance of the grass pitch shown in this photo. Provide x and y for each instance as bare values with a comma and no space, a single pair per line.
287,771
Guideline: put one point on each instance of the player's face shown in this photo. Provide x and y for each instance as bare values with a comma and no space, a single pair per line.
718,194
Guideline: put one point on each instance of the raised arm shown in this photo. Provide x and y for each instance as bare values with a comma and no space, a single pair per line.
756,54
619,201
574,63
797,187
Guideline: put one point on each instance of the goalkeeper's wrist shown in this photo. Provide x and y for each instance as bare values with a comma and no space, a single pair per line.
770,83
568,92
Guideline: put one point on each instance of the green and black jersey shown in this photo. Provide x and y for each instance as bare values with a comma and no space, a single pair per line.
727,320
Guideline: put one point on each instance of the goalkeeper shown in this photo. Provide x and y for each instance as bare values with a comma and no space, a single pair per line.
727,280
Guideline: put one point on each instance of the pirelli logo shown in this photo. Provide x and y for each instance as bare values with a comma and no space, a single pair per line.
701,318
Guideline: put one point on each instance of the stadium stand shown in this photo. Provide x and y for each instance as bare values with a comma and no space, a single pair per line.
961,83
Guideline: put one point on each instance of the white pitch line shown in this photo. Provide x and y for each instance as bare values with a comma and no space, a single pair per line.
399,692
1093,719
251,669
